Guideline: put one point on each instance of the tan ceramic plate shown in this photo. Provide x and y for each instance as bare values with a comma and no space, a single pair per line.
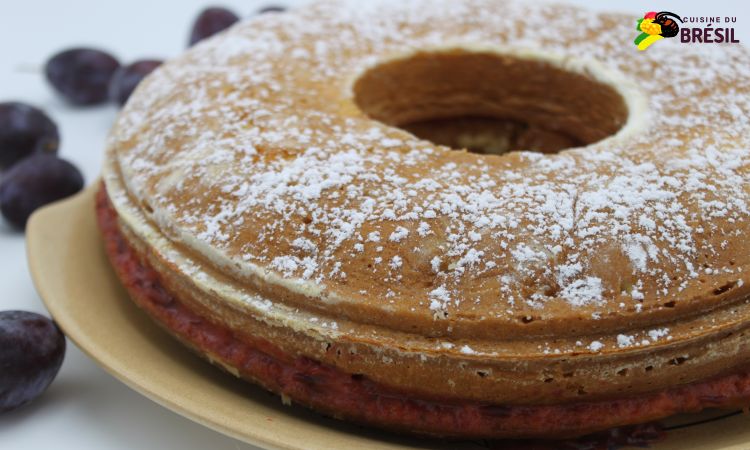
80,290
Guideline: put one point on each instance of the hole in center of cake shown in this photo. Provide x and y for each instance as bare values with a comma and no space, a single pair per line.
491,103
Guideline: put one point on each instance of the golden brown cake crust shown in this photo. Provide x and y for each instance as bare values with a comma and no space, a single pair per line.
250,172
354,397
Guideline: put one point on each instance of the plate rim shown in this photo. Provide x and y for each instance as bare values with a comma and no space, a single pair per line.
35,227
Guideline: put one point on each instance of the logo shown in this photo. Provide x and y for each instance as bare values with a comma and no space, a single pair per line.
655,27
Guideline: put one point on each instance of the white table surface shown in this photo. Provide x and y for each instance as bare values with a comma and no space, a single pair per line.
85,408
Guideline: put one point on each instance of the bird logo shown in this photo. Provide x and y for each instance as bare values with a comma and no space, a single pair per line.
656,26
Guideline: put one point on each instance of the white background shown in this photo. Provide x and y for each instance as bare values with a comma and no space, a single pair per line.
85,408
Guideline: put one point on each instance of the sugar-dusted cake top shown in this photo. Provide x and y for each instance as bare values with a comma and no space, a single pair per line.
251,153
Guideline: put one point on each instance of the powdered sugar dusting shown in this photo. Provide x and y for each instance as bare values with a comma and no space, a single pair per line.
258,165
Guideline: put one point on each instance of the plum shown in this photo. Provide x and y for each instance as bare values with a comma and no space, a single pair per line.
128,77
32,349
211,21
35,182
24,131
82,75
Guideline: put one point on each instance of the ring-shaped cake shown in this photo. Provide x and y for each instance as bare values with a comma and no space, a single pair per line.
286,199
